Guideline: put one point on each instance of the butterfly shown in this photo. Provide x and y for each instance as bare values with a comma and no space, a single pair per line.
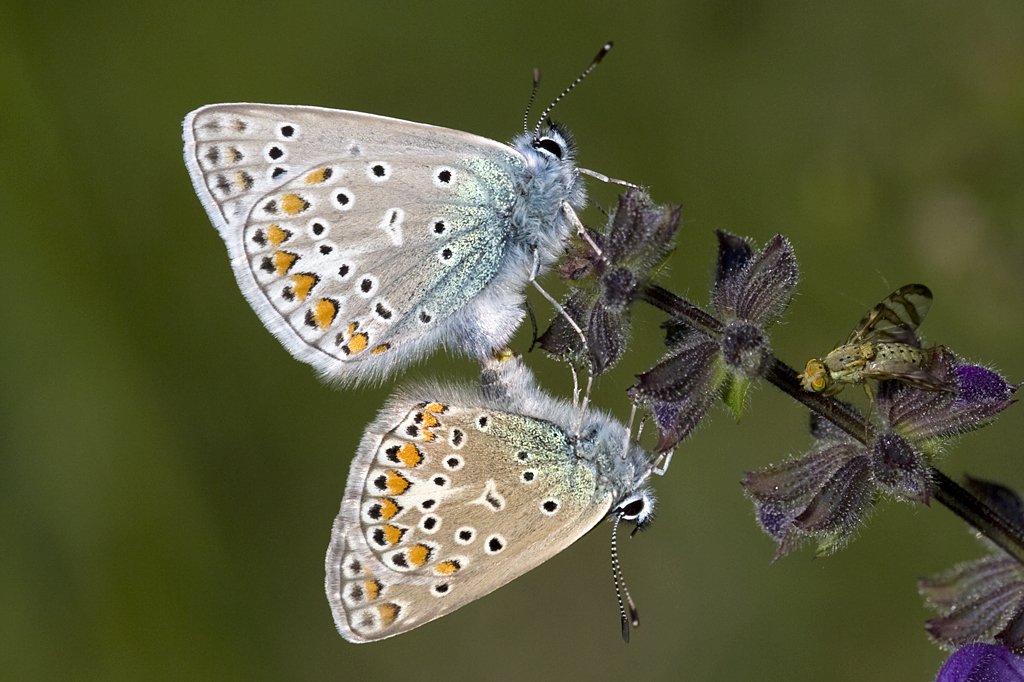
455,491
884,345
364,242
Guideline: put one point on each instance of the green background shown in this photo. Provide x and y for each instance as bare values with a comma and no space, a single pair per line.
169,474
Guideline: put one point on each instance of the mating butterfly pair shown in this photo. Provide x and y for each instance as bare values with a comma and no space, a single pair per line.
363,243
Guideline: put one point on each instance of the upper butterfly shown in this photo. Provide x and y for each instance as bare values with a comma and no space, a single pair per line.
884,345
363,242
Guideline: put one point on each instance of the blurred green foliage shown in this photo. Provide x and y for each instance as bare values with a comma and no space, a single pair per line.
168,474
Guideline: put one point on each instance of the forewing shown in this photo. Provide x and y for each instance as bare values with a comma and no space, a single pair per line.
446,506
896,318
353,236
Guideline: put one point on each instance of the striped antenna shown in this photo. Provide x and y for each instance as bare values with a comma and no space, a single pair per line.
605,49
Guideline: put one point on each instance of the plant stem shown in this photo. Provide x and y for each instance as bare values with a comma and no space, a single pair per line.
682,309
986,520
947,491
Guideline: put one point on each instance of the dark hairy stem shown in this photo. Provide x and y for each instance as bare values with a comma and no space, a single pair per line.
964,504
947,491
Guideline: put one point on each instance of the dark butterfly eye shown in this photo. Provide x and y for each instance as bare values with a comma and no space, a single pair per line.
633,509
549,145
638,508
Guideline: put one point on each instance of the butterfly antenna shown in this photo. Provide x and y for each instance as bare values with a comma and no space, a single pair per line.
620,587
533,96
605,49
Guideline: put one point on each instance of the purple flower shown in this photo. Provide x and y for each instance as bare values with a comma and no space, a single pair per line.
640,236
982,663
933,418
981,600
681,388
753,288
823,494
751,292
826,493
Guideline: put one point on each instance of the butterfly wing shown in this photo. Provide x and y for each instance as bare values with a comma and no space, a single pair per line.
896,318
358,239
446,502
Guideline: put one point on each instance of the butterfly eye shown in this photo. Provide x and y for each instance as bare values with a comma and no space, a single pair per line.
551,146
633,509
638,508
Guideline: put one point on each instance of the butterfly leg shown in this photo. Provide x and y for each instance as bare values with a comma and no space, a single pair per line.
575,221
660,466
640,428
575,385
579,331
604,178
581,230
629,430
585,402
555,304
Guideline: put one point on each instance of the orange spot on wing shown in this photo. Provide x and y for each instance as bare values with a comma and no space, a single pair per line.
318,176
293,204
436,408
384,347
388,613
388,508
409,455
393,534
283,261
429,420
358,343
396,483
324,311
372,589
448,567
418,555
276,235
301,284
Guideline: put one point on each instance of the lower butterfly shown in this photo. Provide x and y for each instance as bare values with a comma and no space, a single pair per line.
364,242
454,492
